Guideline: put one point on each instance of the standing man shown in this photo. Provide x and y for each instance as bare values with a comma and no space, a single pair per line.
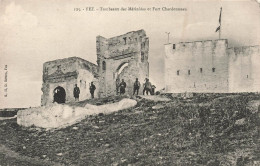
136,86
147,86
122,87
76,92
92,89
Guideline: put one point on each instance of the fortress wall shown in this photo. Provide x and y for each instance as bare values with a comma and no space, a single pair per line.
244,72
194,57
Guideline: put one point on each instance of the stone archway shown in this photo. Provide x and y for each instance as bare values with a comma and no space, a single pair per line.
120,69
120,74
59,95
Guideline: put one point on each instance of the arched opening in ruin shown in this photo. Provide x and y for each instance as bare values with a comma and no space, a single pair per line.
120,69
59,95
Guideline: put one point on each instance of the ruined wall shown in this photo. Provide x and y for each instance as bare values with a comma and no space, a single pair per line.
87,74
66,73
200,66
244,72
124,57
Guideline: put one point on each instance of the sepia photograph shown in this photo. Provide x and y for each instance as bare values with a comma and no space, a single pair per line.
134,82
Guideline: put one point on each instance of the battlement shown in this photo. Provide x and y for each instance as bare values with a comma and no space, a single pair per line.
196,48
199,44
245,50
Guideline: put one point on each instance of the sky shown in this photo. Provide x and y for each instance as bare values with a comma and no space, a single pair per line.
35,31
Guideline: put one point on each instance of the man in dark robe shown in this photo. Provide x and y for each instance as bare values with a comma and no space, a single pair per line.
92,89
76,92
136,86
122,87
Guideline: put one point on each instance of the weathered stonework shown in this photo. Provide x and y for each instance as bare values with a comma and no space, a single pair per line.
123,57
65,73
210,66
244,69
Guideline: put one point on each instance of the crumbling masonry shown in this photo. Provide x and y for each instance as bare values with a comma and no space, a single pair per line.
61,75
122,57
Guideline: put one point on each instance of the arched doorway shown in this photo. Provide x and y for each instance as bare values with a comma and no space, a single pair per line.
119,75
120,69
59,95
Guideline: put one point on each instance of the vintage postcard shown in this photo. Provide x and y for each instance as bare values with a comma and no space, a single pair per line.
144,82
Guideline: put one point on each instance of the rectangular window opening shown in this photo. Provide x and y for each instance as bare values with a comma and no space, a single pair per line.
188,72
178,72
213,69
200,70
173,46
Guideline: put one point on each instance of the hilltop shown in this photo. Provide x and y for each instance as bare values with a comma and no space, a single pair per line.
207,129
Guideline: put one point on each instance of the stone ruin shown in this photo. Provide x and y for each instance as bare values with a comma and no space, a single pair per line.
60,77
121,57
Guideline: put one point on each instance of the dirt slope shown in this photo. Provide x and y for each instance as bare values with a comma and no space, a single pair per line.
205,130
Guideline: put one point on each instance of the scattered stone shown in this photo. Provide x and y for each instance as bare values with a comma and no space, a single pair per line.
253,105
240,121
96,127
153,117
187,95
155,98
100,114
75,128
59,154
115,164
158,106
123,160
44,156
24,147
211,136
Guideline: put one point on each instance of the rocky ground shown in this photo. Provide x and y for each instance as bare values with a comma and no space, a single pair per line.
219,129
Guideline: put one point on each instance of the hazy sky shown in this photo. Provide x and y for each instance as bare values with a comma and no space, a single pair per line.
35,31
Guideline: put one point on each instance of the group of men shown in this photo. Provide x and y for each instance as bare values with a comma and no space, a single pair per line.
120,88
76,91
148,87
